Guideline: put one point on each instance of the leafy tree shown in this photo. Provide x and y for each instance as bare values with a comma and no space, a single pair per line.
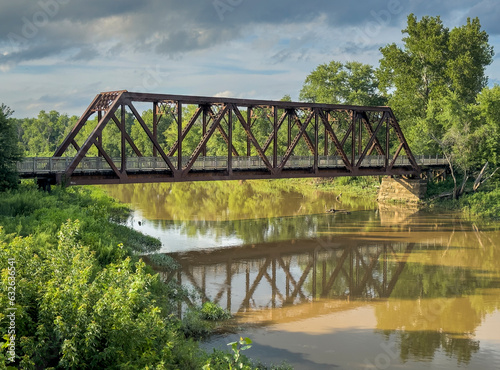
451,126
10,152
470,53
40,136
415,71
434,63
338,83
487,111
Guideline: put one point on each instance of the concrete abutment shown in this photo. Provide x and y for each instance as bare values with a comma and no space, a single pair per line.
402,190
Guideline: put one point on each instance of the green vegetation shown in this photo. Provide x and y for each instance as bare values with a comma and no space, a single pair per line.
337,83
437,87
484,203
83,298
365,187
435,82
212,311
10,152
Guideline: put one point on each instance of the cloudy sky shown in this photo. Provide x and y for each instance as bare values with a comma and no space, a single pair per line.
58,54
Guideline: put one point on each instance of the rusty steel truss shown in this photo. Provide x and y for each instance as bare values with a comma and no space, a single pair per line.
271,131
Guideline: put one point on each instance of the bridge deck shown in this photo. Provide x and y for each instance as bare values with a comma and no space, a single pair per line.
93,170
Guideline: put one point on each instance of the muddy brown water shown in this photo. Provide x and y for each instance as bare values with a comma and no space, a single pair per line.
370,287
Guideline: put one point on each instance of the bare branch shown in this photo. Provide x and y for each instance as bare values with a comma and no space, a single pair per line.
479,180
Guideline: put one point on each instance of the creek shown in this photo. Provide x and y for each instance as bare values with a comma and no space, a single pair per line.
366,287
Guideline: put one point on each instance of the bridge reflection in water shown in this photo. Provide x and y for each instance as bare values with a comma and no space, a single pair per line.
275,275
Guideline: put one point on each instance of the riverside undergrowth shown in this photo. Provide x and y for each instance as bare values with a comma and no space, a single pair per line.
483,203
81,295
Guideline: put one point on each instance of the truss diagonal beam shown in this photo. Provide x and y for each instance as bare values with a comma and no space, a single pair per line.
376,143
127,136
306,137
338,145
373,139
95,133
271,136
108,159
252,138
403,142
294,142
224,134
151,137
96,105
396,155
204,140
186,129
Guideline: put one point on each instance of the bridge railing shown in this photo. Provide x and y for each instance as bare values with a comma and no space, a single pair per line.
41,166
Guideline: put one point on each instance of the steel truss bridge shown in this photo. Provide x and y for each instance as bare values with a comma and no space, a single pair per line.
342,140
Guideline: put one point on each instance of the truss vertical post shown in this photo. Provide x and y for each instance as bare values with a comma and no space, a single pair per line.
275,139
123,131
353,139
204,129
99,137
316,141
387,145
155,126
360,137
325,150
230,141
179,135
249,123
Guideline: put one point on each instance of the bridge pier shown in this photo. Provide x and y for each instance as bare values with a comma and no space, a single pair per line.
45,183
402,190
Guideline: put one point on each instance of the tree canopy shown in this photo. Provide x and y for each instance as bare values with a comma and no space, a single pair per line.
342,83
10,152
433,62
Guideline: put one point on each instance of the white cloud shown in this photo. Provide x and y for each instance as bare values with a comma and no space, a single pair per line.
261,49
225,94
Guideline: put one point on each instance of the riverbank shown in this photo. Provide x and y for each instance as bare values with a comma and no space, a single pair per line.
484,203
72,275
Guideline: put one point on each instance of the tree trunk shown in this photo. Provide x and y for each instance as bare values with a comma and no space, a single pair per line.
478,179
462,187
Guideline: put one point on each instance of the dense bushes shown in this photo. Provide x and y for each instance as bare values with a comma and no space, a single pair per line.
483,203
71,313
32,212
82,297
